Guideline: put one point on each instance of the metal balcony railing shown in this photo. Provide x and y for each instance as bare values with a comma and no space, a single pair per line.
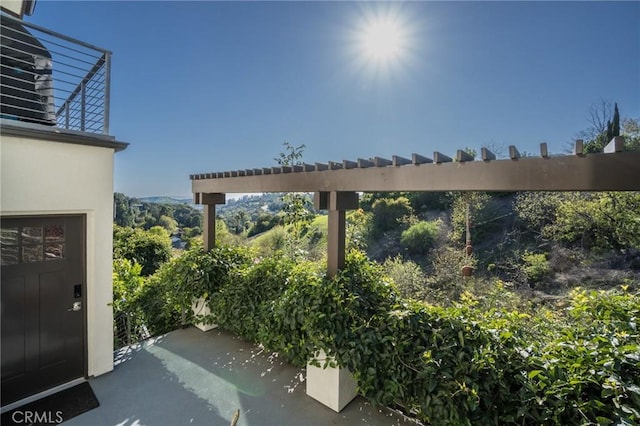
52,79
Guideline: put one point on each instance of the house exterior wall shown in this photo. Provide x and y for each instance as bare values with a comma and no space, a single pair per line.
13,6
40,177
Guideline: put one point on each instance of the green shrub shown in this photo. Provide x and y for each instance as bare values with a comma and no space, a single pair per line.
588,370
149,249
319,313
387,213
128,317
479,213
601,220
420,237
408,277
243,304
536,266
477,361
165,298
198,273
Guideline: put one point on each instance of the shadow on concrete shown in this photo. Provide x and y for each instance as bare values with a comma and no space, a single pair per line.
189,377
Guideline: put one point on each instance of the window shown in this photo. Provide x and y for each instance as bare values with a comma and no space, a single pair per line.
28,244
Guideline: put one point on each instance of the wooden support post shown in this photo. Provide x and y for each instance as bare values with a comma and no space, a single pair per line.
337,203
209,226
209,201
336,241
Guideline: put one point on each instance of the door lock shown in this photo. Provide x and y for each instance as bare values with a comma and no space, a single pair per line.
77,306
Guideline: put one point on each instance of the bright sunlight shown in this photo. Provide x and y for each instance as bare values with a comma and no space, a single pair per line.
383,40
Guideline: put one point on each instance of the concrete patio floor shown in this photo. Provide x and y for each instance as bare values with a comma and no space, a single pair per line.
189,377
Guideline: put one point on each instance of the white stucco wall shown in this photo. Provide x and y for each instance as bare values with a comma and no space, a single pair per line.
43,177
13,6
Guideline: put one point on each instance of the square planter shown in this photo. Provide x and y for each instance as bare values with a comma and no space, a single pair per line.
333,387
201,307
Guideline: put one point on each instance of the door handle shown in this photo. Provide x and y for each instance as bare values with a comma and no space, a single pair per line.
77,306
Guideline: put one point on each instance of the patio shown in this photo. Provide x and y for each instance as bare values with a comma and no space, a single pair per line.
189,377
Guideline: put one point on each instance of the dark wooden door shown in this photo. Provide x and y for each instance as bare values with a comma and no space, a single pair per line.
43,295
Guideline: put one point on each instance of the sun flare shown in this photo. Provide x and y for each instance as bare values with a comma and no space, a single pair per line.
383,40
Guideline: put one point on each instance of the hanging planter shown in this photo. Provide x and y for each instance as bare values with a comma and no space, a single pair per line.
467,270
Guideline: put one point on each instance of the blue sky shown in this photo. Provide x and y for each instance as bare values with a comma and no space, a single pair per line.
212,86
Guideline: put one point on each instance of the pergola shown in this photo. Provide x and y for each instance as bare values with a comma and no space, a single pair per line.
336,184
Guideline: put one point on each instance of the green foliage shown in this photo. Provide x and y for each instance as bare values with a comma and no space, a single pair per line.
315,312
588,370
150,249
292,155
127,283
476,361
477,202
168,223
387,213
536,266
536,210
131,212
198,273
445,274
124,213
605,220
408,277
271,241
163,301
263,223
420,237
358,229
243,305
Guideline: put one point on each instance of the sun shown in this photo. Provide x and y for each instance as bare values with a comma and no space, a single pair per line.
383,39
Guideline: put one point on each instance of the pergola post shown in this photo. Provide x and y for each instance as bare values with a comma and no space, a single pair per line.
209,201
336,203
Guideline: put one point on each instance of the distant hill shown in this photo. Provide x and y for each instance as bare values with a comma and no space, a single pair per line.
166,200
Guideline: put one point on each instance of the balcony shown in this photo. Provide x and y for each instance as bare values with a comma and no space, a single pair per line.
51,79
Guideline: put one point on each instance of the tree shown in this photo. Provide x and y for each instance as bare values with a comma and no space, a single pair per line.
124,214
604,126
387,213
168,223
149,249
631,132
296,206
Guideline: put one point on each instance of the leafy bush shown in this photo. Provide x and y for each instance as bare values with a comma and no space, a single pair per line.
408,277
420,237
128,317
149,249
243,304
198,273
588,371
476,361
315,312
536,266
161,302
271,241
445,275
387,213
605,220
477,202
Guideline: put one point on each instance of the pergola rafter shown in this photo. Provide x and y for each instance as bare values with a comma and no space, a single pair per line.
336,184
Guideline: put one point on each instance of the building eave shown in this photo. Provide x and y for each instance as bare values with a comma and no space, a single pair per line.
54,134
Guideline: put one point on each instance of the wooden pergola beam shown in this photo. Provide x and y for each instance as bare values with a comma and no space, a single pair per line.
617,171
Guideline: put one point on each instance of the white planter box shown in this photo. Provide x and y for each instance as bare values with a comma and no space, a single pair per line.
200,307
333,387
